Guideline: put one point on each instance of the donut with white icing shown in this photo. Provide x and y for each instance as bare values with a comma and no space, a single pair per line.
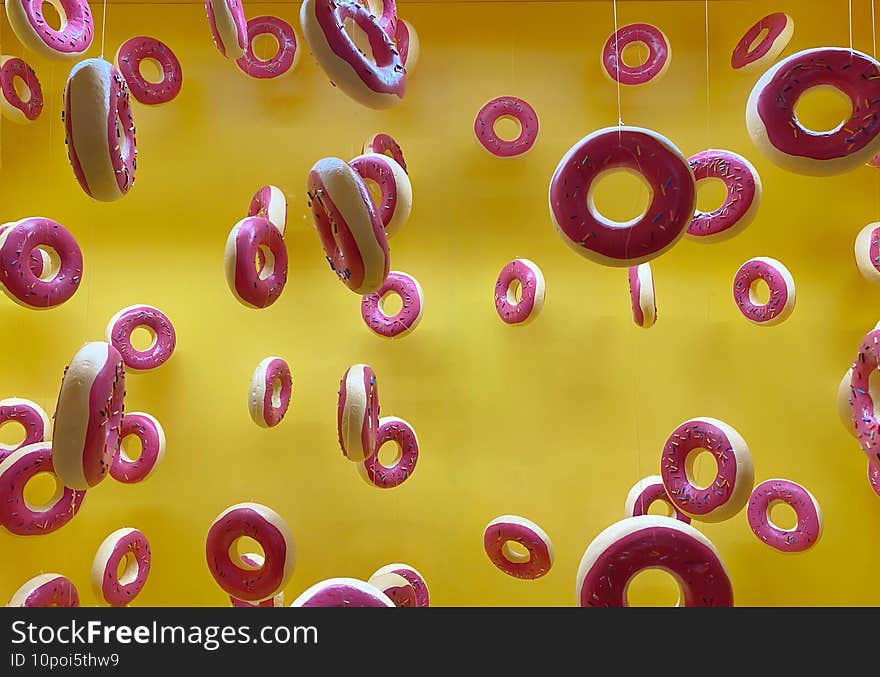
650,156
751,56
804,534
30,416
407,41
655,65
740,205
228,26
645,493
396,587
343,593
270,392
70,40
46,590
776,131
512,528
395,190
384,144
412,301
867,252
123,324
128,60
99,130
152,438
132,547
285,58
255,561
357,417
88,415
525,276
14,107
270,203
782,291
255,287
401,433
415,579
635,544
510,108
641,295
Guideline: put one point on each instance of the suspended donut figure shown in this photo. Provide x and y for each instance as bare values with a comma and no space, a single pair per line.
502,531
128,546
68,41
346,593
641,295
131,55
384,144
151,436
404,321
395,190
403,435
752,54
415,579
286,56
407,41
743,195
270,203
808,529
19,108
46,590
228,27
30,416
507,108
655,65
779,281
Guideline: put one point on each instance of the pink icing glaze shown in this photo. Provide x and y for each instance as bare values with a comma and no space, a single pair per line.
17,271
383,144
506,107
417,582
738,178
377,169
59,592
401,39
129,472
259,206
754,270
370,424
236,12
342,595
28,418
401,595
106,398
652,494
809,520
280,372
37,261
658,54
17,68
874,476
874,248
115,592
516,313
398,431
635,295
282,61
387,18
250,285
390,326
128,60
743,56
540,560
864,416
16,515
256,561
76,32
158,324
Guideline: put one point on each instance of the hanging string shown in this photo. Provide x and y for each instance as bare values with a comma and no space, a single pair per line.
850,26
103,27
619,57
873,30
708,126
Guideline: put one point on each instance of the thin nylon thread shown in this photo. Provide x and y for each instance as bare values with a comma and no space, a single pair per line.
103,27
708,119
617,50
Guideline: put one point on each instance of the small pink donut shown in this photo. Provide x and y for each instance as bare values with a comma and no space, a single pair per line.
342,593
131,546
396,587
507,107
270,203
88,416
867,252
357,416
407,41
351,232
270,392
152,437
123,323
392,429
416,580
99,130
864,409
740,206
501,530
525,275
55,285
635,544
128,60
30,416
782,291
645,493
376,80
283,61
383,144
412,304
243,581
395,200
874,476
641,295
69,41
655,66
809,516
20,517
254,561
252,287
746,57
228,26
13,106
46,590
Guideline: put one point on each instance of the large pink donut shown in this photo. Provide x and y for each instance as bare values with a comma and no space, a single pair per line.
867,252
88,415
396,587
659,54
412,303
526,533
254,561
228,26
283,61
506,107
55,285
346,593
809,516
377,80
270,203
641,295
735,475
395,199
775,129
530,279
357,413
779,27
415,579
351,233
128,60
46,590
635,544
30,416
252,287
152,438
654,158
69,41
864,410
131,546
13,106
270,392
383,144
645,493
123,323
782,291
16,514
740,205
398,431
874,476
99,130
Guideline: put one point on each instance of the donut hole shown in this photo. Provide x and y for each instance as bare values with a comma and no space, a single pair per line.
507,128
265,270
54,15
781,516
359,38
151,70
759,38
265,46
142,338
701,468
12,434
42,491
390,304
514,292
759,293
823,109
131,448
660,507
635,54
711,195
389,455
245,545
51,262
127,569
515,552
653,587
22,91
375,190
124,142
619,197
276,393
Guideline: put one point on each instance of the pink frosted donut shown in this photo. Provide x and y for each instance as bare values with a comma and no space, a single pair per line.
655,66
30,416
392,429
351,233
748,56
270,203
241,580
641,295
809,516
228,26
129,545
270,391
874,476
395,200
256,288
99,130
396,587
343,593
123,323
20,517
774,126
645,493
57,282
864,397
654,158
867,251
357,416
152,437
523,275
88,415
635,544
782,291
502,530
69,41
506,107
383,144
46,590
734,478
128,60
740,205
14,107
254,561
283,61
415,579
407,41
376,80
412,304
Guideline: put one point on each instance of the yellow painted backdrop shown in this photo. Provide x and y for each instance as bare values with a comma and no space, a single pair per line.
554,421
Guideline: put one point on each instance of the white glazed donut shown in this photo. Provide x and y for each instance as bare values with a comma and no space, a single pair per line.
46,590
641,295
270,203
399,590
413,576
357,415
270,391
343,592
867,251
132,547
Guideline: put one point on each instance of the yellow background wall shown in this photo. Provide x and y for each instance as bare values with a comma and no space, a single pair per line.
554,421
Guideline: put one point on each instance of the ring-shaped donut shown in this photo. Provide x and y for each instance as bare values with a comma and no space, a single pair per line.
407,41
383,144
412,302
14,107
740,206
253,287
401,433
128,60
782,291
270,203
270,392
152,438
511,108
69,41
645,493
501,531
129,545
654,66
284,59
641,295
126,321
415,579
525,276
346,593
46,590
228,26
867,252
395,190
805,533
357,413
865,401
30,416
749,55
